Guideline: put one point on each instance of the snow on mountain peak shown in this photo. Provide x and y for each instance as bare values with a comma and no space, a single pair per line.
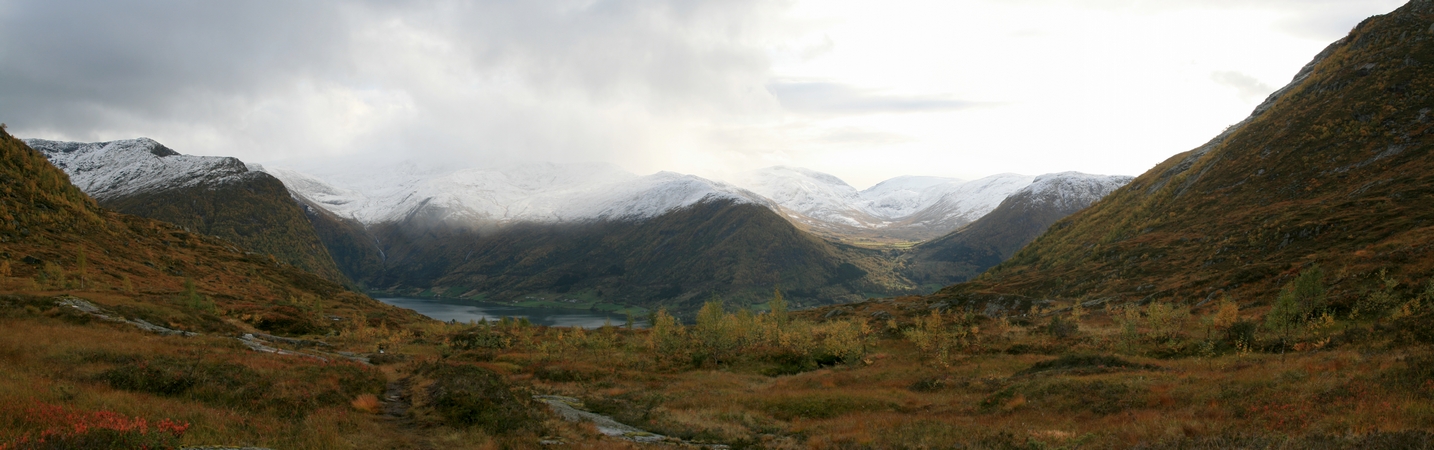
118,168
1072,190
538,192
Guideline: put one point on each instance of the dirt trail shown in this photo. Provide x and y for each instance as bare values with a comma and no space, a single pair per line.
570,409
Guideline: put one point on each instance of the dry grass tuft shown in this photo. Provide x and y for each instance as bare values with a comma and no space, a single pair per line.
367,403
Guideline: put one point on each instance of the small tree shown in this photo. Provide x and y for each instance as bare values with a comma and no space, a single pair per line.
714,330
82,267
1380,301
1166,320
1228,313
1300,299
667,336
779,307
194,299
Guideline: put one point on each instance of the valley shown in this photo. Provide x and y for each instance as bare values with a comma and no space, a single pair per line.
618,240
1272,288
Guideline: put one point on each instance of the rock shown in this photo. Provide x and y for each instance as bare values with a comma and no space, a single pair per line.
881,315
835,312
567,407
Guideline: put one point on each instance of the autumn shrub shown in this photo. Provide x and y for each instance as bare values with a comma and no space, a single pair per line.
58,427
820,406
463,395
480,337
1084,364
1380,301
1065,395
936,336
1061,327
294,392
1417,376
1166,321
1299,300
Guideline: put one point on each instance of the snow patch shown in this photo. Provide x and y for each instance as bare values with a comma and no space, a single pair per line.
115,169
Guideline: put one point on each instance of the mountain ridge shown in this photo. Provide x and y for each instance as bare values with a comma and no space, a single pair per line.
218,196
1330,170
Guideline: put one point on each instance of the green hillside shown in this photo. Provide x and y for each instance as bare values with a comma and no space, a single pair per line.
256,213
677,260
966,252
55,239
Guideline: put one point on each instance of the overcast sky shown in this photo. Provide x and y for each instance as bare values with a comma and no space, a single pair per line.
865,90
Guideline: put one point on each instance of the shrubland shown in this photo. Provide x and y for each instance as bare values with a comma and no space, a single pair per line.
1284,372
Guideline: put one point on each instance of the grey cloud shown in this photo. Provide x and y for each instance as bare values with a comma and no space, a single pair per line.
68,64
1247,87
475,79
828,98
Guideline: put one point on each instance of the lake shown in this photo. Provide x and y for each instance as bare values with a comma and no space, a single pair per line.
468,310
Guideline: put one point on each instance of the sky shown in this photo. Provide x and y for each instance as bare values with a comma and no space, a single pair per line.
864,90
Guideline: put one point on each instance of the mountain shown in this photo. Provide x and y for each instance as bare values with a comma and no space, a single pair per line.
994,237
540,192
216,196
1331,170
55,238
908,208
578,231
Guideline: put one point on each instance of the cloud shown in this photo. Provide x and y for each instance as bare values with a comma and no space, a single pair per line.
825,98
478,81
1245,86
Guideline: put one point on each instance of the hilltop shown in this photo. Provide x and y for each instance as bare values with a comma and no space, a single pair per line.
217,196
1331,170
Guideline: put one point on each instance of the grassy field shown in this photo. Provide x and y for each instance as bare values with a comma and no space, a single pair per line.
895,373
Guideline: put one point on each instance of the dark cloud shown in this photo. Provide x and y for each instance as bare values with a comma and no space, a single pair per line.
470,78
826,98
74,65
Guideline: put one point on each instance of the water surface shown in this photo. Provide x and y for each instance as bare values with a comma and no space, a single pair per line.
469,310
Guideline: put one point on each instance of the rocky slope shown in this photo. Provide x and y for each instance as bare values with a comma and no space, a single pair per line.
1333,169
216,196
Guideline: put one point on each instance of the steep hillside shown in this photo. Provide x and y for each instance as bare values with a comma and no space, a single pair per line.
53,238
556,232
1333,169
208,195
993,238
678,260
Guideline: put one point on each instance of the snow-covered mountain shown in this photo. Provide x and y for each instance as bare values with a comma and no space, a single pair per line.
218,196
810,197
907,207
107,170
542,192
1019,219
1069,191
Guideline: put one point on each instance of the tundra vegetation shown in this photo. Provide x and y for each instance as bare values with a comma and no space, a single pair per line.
1286,372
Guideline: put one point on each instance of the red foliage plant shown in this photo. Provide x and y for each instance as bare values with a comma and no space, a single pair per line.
62,428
